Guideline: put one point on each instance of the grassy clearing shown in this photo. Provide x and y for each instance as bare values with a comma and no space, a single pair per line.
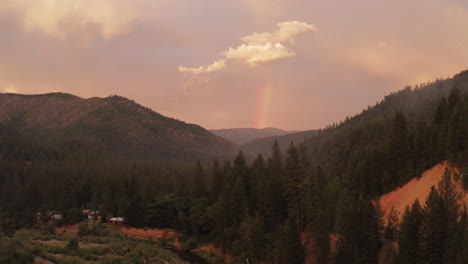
40,245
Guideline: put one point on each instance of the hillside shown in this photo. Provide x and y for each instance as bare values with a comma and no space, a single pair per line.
244,135
263,145
380,150
110,125
419,188
397,139
256,210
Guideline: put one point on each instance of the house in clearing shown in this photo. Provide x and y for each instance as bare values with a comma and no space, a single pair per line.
91,214
54,215
116,220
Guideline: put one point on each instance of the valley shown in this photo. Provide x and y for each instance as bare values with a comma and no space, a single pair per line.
320,196
233,132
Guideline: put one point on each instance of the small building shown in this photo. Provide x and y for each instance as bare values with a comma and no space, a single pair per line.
91,214
56,216
116,220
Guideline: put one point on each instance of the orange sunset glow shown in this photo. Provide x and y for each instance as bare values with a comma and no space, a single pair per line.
246,63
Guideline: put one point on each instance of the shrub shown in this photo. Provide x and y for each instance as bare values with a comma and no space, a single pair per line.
73,216
89,256
51,228
83,230
12,252
110,260
99,251
71,260
73,245
166,242
57,250
188,245
143,252
98,230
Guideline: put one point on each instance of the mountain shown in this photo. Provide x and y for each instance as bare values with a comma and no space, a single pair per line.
324,191
113,125
397,139
241,136
264,145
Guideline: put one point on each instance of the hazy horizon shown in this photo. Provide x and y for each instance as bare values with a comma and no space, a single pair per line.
293,65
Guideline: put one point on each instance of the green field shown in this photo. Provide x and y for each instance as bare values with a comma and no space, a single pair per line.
105,245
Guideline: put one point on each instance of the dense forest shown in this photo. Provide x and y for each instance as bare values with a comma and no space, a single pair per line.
111,125
326,186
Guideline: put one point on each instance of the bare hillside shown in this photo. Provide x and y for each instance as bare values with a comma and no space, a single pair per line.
419,189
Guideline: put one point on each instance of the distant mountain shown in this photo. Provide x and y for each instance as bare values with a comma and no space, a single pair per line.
114,125
264,145
244,135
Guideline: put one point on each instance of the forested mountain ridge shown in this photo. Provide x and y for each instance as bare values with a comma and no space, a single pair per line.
110,125
244,135
400,137
263,145
380,150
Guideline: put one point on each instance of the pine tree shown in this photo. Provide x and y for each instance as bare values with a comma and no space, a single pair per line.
303,187
409,235
238,207
399,142
274,201
317,216
433,229
292,183
198,187
276,164
457,248
221,221
217,180
447,191
391,229
440,127
293,249
358,225
456,133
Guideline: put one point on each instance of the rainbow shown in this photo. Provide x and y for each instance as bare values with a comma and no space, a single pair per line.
263,103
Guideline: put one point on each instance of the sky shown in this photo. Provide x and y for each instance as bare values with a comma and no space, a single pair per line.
291,64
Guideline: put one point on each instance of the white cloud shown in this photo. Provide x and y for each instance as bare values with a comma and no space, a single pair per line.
215,66
286,32
253,55
61,18
259,48
267,46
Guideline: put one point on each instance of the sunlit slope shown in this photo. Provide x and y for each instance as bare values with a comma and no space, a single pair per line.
419,188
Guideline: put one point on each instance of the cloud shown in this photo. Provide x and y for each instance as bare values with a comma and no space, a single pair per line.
286,32
267,46
62,18
259,48
253,55
215,66
10,89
